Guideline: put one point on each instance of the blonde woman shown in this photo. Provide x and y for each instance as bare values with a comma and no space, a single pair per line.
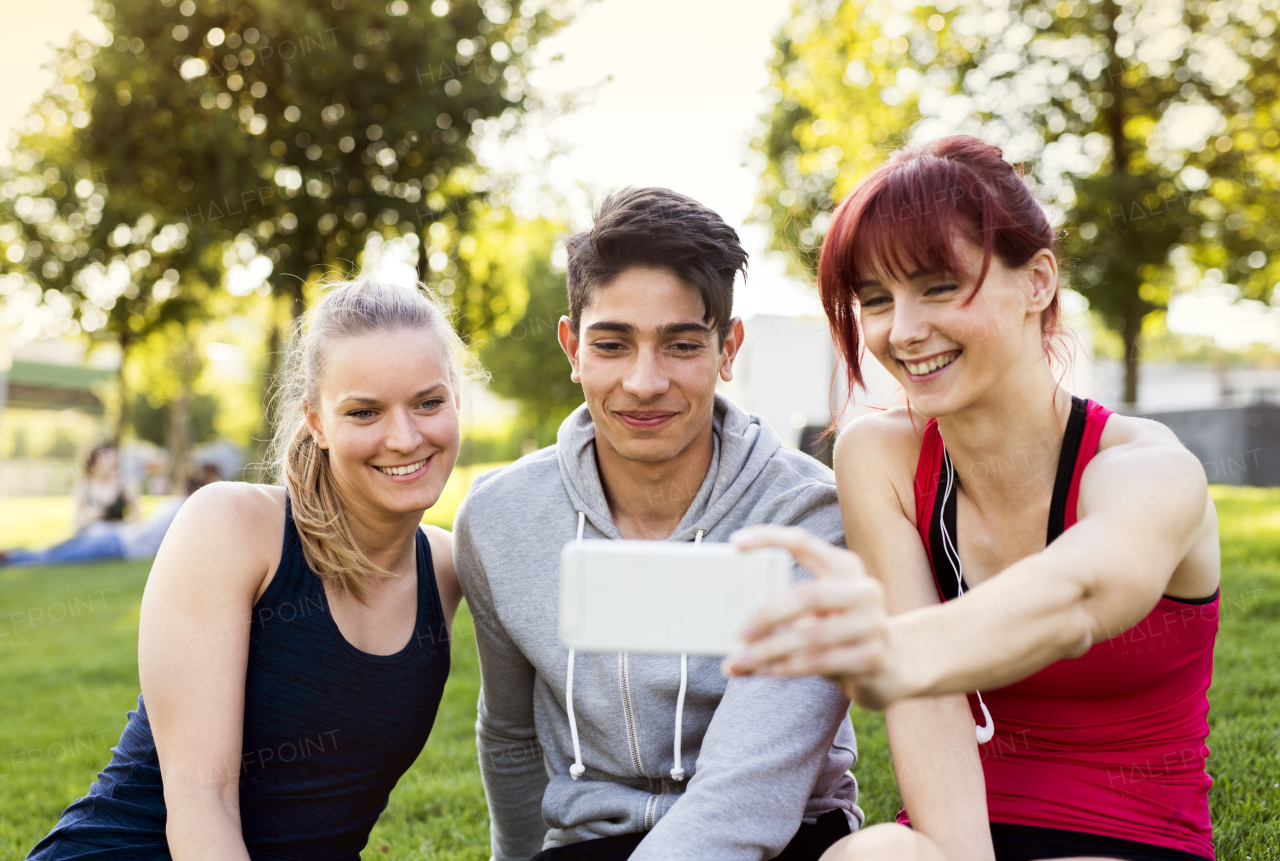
293,642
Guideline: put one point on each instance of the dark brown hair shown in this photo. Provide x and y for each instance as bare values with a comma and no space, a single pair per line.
906,215
659,229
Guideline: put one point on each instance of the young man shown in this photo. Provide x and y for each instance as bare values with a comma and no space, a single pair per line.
653,454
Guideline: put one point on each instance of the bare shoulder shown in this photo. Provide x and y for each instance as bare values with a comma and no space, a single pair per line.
441,541
875,462
1142,461
236,524
895,432
1133,443
235,505
1134,431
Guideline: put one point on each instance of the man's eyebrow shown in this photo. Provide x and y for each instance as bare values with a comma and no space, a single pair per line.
678,328
612,326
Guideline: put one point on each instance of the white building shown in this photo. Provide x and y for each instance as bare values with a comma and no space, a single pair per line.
787,372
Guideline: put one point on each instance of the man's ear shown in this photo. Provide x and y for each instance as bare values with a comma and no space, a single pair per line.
1042,273
313,422
732,344
569,343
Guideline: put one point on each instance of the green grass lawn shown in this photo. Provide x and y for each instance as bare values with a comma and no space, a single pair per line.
68,673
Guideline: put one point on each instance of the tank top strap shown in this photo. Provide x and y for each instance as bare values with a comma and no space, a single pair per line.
430,607
293,584
1080,439
928,472
1096,416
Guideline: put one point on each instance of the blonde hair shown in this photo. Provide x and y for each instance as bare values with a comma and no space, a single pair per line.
344,309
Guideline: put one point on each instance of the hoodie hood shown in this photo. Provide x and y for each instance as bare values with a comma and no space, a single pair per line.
743,446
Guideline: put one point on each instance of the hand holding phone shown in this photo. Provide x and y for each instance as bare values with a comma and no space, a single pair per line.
663,596
834,625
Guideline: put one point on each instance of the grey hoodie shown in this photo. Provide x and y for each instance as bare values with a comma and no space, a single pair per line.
759,755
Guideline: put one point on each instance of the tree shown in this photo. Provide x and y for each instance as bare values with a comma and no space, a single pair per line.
359,115
79,213
1147,122
211,145
523,353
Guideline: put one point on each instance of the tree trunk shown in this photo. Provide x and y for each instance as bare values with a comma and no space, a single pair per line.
1131,325
179,438
1115,89
422,260
122,387
1130,329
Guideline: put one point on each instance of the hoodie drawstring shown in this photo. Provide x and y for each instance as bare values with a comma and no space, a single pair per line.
677,773
577,769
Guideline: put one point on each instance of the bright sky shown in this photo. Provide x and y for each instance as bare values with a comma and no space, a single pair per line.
675,96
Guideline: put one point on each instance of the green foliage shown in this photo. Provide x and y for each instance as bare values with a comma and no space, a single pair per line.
151,423
525,357
1151,124
489,443
208,145
840,103
76,677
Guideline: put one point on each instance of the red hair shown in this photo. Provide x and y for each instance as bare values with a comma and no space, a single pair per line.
905,217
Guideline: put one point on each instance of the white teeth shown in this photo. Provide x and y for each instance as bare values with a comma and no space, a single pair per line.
933,364
401,470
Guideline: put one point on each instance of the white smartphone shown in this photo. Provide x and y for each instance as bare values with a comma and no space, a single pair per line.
662,596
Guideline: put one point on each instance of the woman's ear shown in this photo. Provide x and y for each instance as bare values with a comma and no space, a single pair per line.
1042,274
313,423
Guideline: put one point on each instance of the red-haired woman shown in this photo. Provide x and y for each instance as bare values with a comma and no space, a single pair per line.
1054,561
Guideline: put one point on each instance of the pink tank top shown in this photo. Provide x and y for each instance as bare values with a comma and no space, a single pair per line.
1110,743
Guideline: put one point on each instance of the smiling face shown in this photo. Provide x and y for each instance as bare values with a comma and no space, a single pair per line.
388,416
948,352
648,362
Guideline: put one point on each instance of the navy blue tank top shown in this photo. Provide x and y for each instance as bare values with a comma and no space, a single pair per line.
328,730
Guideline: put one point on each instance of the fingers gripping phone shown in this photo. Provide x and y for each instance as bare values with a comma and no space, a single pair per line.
662,596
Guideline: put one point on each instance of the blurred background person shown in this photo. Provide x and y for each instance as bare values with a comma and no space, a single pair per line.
107,539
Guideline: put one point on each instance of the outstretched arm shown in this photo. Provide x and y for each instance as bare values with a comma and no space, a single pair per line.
1099,578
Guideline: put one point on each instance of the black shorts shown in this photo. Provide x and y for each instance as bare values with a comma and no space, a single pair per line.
1031,842
808,844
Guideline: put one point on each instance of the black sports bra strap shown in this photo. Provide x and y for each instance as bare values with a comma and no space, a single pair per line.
1067,457
945,505
944,513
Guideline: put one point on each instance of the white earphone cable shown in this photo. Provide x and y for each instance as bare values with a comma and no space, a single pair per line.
987,731
577,769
